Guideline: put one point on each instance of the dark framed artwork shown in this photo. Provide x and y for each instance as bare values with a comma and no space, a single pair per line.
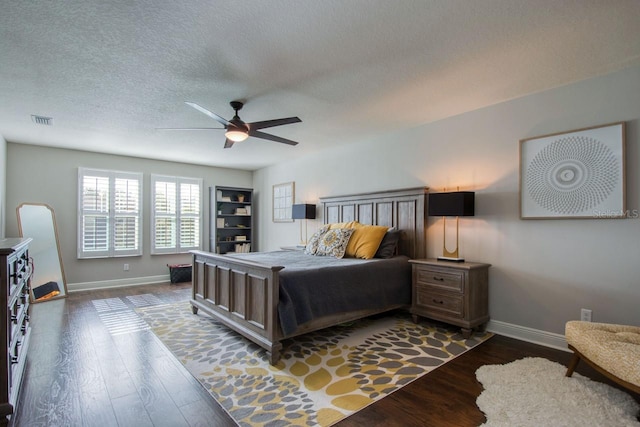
574,174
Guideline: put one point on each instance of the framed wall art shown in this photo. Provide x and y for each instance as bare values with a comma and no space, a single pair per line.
575,174
283,195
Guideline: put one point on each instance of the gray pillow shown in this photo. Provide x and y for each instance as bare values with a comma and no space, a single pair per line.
389,243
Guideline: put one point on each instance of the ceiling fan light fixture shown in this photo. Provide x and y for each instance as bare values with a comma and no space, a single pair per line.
236,135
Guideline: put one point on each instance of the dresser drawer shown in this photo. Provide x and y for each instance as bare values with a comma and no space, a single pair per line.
449,303
440,278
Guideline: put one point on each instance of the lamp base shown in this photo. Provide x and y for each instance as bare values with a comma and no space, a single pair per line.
450,259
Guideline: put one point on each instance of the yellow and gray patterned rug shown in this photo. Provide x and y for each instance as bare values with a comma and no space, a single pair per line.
322,376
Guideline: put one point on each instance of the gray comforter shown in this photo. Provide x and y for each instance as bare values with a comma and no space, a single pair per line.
315,286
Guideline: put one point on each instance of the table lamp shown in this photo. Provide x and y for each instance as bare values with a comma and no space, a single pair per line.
455,203
305,212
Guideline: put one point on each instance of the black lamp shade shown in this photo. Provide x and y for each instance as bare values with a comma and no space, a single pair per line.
456,203
303,212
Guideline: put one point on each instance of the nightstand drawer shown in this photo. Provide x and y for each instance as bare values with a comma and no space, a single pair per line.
450,280
446,303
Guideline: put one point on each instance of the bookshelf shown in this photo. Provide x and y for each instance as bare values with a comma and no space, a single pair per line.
233,220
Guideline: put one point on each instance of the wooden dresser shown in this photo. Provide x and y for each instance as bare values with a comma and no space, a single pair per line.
15,333
451,292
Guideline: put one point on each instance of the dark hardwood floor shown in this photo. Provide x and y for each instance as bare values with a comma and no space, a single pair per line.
92,363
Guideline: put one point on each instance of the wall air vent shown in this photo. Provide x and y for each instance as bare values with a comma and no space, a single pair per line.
41,120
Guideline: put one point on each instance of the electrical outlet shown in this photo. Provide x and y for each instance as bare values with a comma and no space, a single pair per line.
585,315
126,267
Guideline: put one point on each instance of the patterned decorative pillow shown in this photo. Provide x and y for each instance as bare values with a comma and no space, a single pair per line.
334,242
312,244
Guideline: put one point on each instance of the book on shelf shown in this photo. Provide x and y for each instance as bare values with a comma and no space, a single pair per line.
241,211
220,222
225,198
243,248
241,238
248,209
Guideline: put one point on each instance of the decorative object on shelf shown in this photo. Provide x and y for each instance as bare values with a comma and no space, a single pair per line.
283,195
240,197
242,248
305,212
456,203
576,174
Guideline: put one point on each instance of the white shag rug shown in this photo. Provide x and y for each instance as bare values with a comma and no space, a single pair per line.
535,392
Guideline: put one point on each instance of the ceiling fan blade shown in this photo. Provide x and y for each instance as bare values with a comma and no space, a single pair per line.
270,137
272,123
214,116
189,128
228,143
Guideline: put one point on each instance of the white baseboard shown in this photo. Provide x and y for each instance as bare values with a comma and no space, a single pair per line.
535,336
117,283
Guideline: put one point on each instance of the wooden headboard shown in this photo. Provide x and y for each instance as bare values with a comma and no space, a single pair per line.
404,209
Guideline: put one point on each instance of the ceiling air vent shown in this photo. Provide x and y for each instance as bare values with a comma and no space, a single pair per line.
41,120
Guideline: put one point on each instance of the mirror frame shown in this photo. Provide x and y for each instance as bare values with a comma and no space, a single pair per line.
63,292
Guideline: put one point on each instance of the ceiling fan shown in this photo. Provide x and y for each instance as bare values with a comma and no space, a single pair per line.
237,130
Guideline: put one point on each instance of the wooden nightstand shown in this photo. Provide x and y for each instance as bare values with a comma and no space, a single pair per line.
451,292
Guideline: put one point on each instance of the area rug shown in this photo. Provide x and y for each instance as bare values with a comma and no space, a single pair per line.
322,376
535,392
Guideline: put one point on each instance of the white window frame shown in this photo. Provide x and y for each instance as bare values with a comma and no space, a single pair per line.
178,248
111,251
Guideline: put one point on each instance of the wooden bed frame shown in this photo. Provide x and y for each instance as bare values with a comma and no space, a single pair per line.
244,295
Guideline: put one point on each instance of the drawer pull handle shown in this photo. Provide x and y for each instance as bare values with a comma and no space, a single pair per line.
440,279
438,301
14,359
14,318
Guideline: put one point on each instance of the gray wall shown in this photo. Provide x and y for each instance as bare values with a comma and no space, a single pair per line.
49,175
543,271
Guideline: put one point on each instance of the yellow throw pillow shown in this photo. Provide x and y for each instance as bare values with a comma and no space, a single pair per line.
350,224
365,240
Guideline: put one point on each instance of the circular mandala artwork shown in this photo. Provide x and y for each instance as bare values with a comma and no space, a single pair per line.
572,175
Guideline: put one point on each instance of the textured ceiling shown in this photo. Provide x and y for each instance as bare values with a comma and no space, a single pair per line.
111,72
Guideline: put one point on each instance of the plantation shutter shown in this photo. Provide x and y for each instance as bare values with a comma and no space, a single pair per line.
177,214
127,215
109,213
189,216
95,217
164,208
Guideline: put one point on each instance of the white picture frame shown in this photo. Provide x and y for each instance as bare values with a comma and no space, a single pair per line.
283,199
574,174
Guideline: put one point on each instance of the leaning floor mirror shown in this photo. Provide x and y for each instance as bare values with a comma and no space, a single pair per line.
38,221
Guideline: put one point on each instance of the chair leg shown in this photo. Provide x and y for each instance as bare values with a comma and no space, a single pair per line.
572,364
